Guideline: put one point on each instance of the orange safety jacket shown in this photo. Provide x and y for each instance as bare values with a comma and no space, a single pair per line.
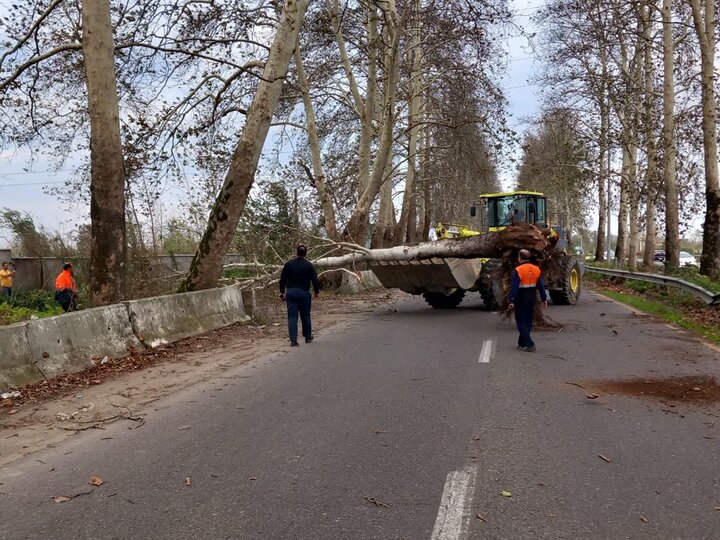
526,276
65,281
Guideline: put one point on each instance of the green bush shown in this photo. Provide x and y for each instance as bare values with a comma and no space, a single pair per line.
640,286
36,300
25,304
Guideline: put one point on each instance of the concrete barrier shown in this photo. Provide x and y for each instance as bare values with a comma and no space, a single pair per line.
15,365
67,343
164,319
48,347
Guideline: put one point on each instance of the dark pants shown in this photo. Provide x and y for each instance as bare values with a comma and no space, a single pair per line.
66,298
6,292
524,310
299,301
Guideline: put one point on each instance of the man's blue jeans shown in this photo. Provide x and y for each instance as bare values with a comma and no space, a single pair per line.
524,319
298,301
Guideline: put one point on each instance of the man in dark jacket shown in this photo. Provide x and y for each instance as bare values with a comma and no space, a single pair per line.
296,277
526,282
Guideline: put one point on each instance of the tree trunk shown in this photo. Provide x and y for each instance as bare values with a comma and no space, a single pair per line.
672,227
621,245
603,172
401,234
326,204
385,224
427,187
356,229
226,213
107,186
634,206
705,29
520,236
650,182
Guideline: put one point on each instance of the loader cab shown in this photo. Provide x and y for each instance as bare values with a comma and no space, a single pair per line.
498,210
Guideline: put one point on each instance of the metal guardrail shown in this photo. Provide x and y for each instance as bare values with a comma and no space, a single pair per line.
709,298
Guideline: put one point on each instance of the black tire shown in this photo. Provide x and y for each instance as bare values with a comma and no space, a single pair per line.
491,289
444,301
570,284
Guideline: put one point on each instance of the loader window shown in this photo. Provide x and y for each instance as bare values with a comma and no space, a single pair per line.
541,218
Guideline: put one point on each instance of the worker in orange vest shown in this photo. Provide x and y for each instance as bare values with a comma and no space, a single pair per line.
525,284
66,288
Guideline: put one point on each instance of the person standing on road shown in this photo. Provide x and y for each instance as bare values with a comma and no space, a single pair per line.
6,280
526,282
66,288
296,277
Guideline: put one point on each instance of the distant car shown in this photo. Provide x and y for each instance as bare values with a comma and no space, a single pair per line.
686,259
659,255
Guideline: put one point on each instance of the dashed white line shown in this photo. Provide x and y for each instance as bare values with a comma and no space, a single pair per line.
453,519
487,351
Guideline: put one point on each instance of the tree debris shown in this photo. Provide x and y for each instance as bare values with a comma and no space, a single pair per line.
607,460
96,481
374,501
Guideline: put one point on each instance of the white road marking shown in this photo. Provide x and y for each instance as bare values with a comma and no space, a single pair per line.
453,519
487,351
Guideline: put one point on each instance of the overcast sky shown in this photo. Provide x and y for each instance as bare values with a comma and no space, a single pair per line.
24,187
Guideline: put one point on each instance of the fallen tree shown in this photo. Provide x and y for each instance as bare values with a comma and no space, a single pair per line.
492,245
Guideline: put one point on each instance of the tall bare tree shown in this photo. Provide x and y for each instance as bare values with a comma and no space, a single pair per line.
703,13
230,203
107,187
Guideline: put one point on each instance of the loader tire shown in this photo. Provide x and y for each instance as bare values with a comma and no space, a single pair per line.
570,284
444,301
491,289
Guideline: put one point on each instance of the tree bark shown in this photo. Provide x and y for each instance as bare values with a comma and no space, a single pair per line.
603,173
408,202
650,150
326,204
672,224
107,186
621,245
705,30
226,213
521,236
356,229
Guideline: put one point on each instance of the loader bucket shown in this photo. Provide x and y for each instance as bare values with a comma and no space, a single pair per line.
432,275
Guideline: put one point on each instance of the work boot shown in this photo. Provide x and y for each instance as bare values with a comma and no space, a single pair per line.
309,339
294,344
527,349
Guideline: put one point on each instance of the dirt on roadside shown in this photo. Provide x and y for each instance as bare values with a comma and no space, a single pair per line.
47,412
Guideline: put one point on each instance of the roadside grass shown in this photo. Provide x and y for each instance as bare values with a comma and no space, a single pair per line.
667,303
667,313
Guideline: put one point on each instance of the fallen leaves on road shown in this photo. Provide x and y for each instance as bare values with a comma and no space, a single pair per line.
605,459
479,516
62,498
506,494
592,396
693,389
644,519
374,501
96,481
188,481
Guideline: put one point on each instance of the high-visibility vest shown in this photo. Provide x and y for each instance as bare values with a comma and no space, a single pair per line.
529,275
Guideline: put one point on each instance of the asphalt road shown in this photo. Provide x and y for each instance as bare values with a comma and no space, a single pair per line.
403,424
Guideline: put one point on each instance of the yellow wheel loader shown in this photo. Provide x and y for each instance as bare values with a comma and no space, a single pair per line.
444,282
